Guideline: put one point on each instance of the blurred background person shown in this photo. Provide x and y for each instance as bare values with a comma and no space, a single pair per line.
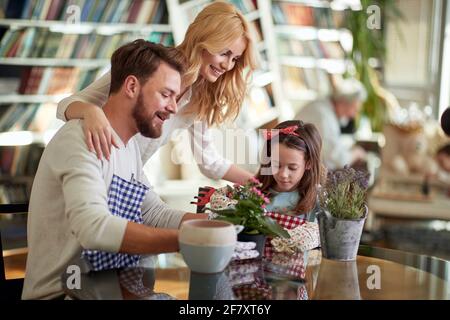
328,115
443,161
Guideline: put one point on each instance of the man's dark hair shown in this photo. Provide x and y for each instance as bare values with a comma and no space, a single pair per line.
141,59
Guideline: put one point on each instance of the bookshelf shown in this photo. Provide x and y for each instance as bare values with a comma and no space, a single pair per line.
39,48
312,47
48,50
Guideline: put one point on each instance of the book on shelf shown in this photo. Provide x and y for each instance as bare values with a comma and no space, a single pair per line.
258,100
104,11
27,117
29,43
12,160
54,11
11,192
304,15
18,165
293,79
255,31
50,81
11,116
24,120
302,79
245,6
311,48
291,13
257,105
6,159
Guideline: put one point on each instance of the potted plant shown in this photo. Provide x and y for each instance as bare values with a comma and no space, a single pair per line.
369,44
245,205
342,213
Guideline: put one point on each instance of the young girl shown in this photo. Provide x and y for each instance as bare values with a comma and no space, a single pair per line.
290,175
292,168
218,47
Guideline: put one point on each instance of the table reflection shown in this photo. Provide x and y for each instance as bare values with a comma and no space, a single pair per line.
301,276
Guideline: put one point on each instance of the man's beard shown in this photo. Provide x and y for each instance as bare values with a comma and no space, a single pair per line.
144,122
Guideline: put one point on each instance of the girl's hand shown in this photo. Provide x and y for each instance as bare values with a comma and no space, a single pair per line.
98,133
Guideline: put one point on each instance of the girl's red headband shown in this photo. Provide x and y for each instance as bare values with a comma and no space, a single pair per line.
270,134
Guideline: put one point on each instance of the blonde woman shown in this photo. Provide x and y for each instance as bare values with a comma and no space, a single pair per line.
218,47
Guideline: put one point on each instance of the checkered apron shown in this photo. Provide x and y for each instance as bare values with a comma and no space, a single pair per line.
247,279
124,200
294,265
286,221
132,280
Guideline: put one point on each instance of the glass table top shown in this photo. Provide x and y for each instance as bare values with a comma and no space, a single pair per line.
376,274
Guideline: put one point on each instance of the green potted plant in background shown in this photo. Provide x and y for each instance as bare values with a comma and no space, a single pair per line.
368,52
342,213
244,205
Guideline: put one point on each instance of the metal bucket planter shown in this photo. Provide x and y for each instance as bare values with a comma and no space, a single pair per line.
339,238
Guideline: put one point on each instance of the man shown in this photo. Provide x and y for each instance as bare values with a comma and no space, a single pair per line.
327,116
104,211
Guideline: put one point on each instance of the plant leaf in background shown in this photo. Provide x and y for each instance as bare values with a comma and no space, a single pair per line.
369,44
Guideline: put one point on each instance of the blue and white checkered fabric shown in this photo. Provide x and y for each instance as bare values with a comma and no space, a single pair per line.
132,280
124,200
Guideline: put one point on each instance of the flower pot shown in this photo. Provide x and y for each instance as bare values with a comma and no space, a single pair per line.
339,238
259,239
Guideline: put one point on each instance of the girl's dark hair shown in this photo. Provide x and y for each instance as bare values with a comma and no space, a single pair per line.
308,141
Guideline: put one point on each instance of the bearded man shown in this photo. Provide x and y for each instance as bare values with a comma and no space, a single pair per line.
104,212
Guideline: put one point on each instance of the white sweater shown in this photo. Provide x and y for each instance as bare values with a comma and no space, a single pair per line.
211,163
69,207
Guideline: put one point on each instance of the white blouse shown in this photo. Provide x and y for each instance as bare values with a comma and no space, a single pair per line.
209,161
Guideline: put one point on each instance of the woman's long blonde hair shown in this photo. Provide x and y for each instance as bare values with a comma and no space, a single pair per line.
216,27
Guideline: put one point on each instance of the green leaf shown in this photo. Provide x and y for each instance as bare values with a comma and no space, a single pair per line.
275,228
233,220
249,204
252,231
225,212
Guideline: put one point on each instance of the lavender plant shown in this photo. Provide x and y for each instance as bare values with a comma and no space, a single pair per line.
344,193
